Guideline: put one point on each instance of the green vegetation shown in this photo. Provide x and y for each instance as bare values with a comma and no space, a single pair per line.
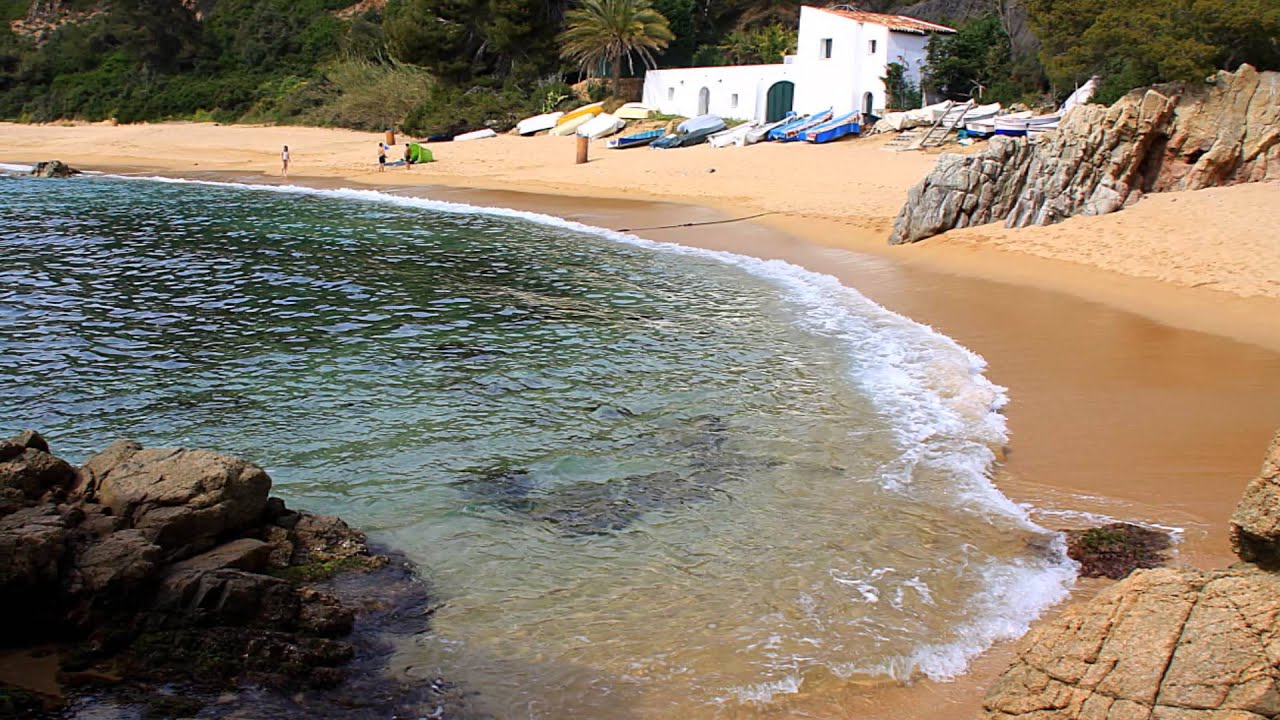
1129,43
445,66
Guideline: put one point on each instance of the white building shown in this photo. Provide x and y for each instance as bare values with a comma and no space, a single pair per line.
840,63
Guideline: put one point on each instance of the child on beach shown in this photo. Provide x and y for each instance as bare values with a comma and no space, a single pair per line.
382,157
408,157
284,161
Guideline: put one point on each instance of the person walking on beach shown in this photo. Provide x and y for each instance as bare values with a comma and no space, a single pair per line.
284,161
408,157
382,157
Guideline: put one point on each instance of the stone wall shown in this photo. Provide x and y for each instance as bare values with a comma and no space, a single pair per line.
1100,159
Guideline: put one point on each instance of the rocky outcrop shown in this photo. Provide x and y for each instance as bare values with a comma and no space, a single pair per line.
1100,159
1255,525
183,500
53,169
169,566
1165,644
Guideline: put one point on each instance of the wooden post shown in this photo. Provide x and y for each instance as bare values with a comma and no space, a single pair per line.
583,145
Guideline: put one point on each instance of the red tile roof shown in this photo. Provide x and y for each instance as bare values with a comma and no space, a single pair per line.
897,23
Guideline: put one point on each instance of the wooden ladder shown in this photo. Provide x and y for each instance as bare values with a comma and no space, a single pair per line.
950,120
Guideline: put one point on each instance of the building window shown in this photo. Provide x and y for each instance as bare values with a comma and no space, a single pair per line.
873,47
671,93
826,48
733,100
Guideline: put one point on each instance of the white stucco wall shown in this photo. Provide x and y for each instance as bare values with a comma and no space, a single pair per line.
676,91
910,50
839,82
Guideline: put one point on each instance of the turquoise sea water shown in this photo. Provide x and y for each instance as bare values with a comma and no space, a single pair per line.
644,480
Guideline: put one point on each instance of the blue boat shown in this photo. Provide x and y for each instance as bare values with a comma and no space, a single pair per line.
833,129
779,132
637,140
795,131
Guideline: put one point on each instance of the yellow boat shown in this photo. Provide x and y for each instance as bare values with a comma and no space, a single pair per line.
586,111
571,127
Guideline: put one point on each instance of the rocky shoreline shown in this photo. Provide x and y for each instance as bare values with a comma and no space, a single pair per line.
1168,643
1164,138
170,584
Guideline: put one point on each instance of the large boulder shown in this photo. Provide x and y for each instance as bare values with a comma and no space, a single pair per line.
53,169
184,500
1170,137
28,471
1161,645
1255,525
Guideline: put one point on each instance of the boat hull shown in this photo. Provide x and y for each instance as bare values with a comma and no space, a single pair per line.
538,123
637,140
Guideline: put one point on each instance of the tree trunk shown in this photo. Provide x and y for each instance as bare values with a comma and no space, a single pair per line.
615,75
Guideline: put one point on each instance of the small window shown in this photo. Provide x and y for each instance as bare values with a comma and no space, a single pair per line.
873,47
733,100
826,48
671,93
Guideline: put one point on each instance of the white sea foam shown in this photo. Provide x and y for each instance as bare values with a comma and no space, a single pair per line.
10,167
947,416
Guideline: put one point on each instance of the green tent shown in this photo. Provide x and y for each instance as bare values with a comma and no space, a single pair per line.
419,154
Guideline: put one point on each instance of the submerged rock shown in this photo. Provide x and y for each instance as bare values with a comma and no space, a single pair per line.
52,169
1169,137
1115,550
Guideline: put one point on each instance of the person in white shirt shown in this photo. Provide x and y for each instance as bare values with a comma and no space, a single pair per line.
284,161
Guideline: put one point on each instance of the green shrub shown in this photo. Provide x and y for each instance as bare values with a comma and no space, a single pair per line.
448,110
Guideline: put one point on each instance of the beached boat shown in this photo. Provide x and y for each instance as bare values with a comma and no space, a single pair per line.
833,129
732,136
569,127
791,130
602,125
1018,124
538,123
762,133
477,135
583,112
691,132
1041,125
634,111
637,140
796,132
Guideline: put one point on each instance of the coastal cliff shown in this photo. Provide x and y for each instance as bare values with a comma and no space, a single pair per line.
160,570
1164,644
1165,138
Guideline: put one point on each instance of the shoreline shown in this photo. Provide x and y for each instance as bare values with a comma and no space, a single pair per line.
953,291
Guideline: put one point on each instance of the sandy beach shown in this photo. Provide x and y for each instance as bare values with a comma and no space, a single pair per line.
1141,349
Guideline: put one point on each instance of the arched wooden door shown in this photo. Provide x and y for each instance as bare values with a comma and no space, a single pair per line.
704,101
778,100
867,100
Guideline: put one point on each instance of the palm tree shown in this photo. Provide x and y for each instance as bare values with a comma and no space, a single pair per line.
601,31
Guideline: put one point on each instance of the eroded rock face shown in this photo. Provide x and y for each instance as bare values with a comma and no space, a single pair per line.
185,500
1168,644
1255,525
1101,159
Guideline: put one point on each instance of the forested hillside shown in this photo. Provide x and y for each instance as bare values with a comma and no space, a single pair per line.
441,65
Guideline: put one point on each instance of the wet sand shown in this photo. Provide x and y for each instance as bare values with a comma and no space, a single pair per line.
1111,411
